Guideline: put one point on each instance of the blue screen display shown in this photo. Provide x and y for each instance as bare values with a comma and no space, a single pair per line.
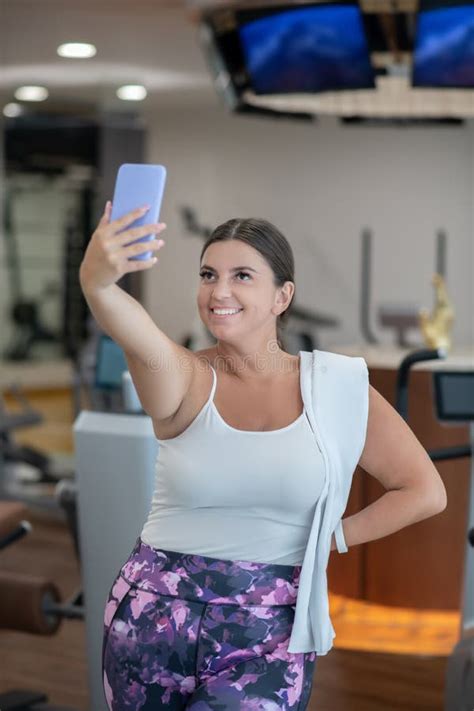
307,49
444,47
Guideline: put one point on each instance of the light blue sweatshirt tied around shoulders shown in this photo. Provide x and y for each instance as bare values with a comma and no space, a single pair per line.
335,392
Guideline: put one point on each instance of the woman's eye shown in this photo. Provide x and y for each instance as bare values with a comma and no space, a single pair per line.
204,274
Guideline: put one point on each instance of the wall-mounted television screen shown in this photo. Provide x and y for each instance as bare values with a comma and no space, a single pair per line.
305,48
443,55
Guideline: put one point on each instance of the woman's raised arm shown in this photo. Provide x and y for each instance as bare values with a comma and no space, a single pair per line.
160,368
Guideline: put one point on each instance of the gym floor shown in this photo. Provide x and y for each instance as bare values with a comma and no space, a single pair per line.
345,679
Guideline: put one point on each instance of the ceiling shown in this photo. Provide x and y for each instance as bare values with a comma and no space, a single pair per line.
155,42
138,41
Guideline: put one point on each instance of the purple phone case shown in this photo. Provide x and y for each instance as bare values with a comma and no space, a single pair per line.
139,184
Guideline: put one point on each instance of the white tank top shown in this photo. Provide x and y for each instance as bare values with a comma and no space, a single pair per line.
236,494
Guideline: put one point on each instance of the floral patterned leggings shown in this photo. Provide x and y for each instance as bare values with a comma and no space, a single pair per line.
193,632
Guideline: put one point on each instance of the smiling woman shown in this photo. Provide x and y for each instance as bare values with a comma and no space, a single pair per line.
253,476
249,266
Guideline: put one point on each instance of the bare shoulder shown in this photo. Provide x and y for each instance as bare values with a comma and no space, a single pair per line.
195,396
202,361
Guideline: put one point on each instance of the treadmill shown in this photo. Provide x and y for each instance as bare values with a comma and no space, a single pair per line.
454,399
454,402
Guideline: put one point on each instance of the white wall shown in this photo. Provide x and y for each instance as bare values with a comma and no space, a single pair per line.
320,184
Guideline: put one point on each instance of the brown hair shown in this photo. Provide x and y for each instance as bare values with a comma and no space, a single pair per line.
272,245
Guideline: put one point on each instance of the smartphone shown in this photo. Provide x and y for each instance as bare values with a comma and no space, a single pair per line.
139,184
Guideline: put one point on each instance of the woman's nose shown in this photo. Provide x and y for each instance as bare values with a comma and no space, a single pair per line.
221,289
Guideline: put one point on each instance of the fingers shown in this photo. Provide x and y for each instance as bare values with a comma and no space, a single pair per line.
104,220
140,264
141,247
124,238
122,222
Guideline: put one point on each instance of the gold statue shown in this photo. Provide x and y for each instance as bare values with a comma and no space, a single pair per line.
436,329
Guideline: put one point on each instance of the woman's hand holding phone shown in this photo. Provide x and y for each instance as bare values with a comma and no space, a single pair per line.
107,257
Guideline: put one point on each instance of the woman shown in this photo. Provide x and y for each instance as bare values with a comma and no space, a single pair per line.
222,603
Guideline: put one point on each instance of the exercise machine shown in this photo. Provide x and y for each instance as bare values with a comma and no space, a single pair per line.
454,402
28,604
11,452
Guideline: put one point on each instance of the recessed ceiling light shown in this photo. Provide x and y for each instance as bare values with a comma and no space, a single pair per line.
31,93
132,92
77,50
12,110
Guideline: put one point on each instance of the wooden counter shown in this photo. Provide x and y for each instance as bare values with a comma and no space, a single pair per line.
420,566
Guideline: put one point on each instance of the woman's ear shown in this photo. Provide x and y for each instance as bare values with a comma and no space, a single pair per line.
285,295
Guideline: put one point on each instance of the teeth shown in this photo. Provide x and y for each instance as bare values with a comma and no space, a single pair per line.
224,312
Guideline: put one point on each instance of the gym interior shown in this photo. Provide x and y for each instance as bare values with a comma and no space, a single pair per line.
370,175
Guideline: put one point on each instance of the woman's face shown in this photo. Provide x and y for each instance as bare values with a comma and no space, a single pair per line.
234,275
